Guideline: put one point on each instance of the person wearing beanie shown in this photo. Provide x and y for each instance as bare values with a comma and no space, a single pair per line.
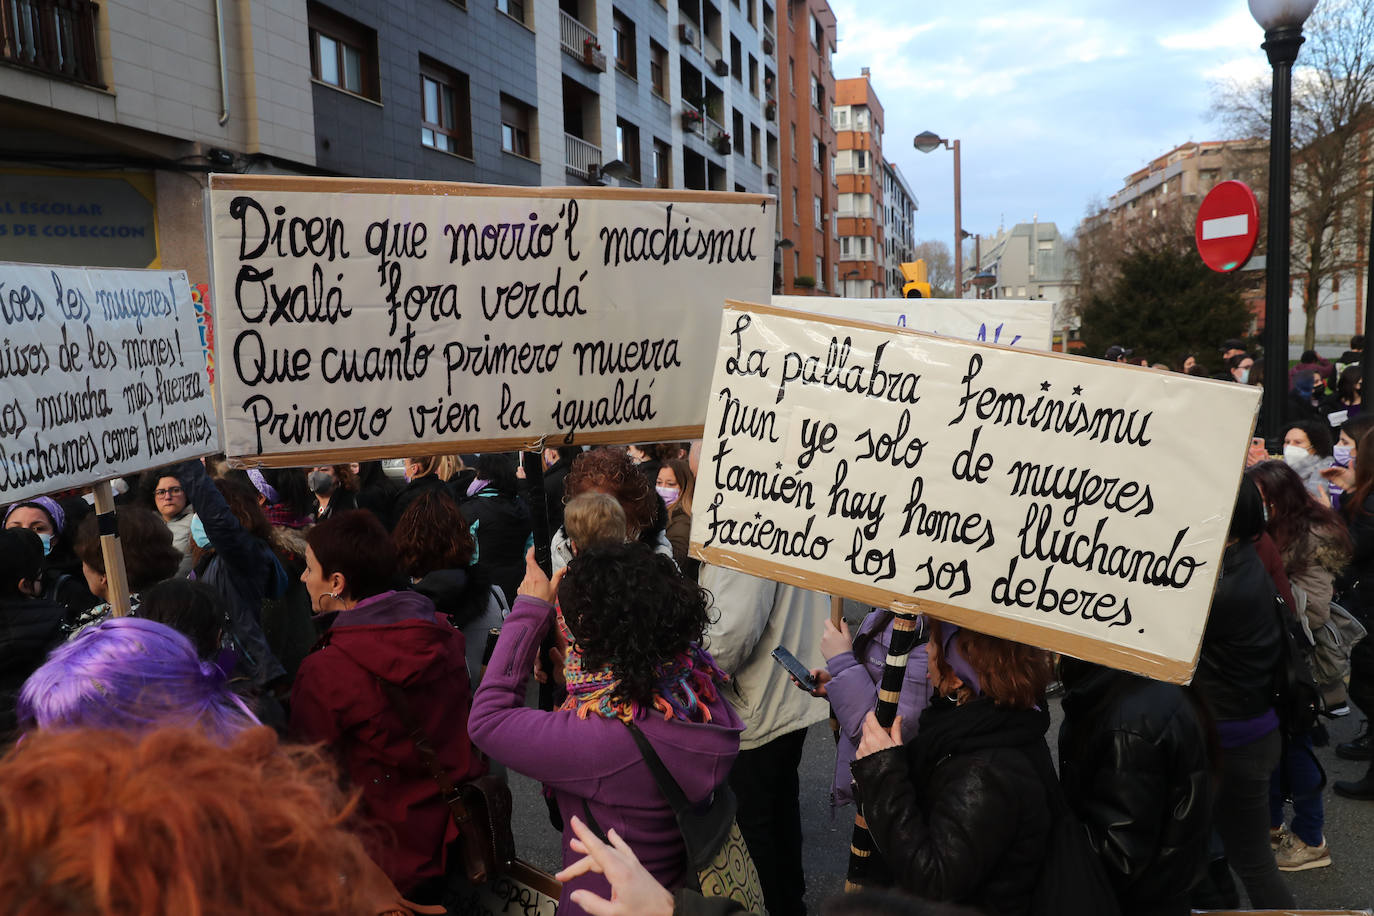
62,580
29,625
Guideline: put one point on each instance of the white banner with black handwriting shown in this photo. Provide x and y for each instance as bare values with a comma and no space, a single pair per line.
1026,323
1077,505
379,318
103,376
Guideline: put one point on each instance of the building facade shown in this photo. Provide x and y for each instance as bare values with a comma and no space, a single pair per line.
115,114
1028,261
808,233
861,208
899,227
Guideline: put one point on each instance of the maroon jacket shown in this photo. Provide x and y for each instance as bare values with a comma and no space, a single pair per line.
394,636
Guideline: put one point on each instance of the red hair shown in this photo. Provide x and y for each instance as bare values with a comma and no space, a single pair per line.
1010,673
610,471
169,821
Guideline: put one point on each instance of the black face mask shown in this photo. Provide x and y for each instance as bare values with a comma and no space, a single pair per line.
322,483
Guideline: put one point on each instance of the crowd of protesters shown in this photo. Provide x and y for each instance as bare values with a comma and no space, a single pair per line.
311,662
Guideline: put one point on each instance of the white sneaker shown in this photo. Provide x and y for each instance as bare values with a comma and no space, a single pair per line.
1295,855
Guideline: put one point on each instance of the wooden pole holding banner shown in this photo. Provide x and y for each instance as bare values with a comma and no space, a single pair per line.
862,864
116,579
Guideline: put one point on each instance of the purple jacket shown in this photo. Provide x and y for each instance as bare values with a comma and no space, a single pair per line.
594,762
853,693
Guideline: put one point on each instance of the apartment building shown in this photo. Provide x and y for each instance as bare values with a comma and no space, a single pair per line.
116,112
899,227
808,246
861,204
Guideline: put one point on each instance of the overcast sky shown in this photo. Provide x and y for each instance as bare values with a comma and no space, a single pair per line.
1055,101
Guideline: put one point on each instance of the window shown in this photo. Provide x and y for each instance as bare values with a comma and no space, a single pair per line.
343,53
515,9
791,66
817,209
624,29
752,13
817,94
737,131
517,121
794,142
754,75
861,118
856,205
756,154
820,271
796,209
815,151
627,146
839,117
658,69
58,37
817,33
663,165
736,60
445,116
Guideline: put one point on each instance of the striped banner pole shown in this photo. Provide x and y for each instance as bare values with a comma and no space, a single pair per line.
864,866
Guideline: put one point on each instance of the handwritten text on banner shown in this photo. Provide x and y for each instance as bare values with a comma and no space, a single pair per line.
1024,323
396,314
1073,504
103,376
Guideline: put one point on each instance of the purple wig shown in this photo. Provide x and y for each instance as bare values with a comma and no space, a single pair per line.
131,674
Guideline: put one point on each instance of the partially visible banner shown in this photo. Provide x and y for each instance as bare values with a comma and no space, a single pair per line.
1027,323
1069,503
103,375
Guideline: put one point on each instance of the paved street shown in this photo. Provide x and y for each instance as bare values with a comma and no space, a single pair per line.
1349,882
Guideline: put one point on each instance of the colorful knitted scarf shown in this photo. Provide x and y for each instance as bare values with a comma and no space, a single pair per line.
684,686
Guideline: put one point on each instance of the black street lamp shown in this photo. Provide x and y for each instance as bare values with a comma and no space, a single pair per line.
1282,22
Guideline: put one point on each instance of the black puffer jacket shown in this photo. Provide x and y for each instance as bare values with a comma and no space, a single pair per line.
1355,586
1240,647
961,814
503,534
29,629
1133,764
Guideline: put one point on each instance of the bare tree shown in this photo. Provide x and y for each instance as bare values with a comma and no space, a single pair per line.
1333,109
939,267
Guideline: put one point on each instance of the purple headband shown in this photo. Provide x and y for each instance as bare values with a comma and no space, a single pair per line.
48,505
265,488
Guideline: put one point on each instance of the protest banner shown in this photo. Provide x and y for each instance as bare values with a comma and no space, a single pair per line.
1025,323
372,319
104,376
1072,504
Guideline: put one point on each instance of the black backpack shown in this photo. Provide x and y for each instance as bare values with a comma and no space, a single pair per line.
1072,881
1297,700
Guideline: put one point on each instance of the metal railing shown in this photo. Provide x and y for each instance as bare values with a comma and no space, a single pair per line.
768,34
713,127
580,155
56,37
574,34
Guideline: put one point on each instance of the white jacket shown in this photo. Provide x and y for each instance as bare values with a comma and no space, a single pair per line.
753,617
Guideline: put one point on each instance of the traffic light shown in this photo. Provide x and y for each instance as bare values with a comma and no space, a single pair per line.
917,287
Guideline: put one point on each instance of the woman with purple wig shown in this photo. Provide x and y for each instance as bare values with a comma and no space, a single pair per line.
131,674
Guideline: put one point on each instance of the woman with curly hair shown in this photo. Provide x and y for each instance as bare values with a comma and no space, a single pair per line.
435,550
109,822
634,629
610,471
963,813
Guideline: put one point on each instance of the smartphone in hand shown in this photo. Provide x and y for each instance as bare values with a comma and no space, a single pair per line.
795,668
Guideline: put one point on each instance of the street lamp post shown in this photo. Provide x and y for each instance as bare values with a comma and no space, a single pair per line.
1282,23
928,141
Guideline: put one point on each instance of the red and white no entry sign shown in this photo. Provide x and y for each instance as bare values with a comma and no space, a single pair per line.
1227,226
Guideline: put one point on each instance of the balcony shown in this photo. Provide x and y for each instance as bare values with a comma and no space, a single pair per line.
55,37
580,156
770,42
580,41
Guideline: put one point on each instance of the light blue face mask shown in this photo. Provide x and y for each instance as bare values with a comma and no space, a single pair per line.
198,535
47,540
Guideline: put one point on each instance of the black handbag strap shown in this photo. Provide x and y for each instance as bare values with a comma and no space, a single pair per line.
396,699
677,799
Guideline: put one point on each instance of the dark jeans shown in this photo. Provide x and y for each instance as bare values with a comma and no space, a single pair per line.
1298,777
767,787
1362,673
1242,820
